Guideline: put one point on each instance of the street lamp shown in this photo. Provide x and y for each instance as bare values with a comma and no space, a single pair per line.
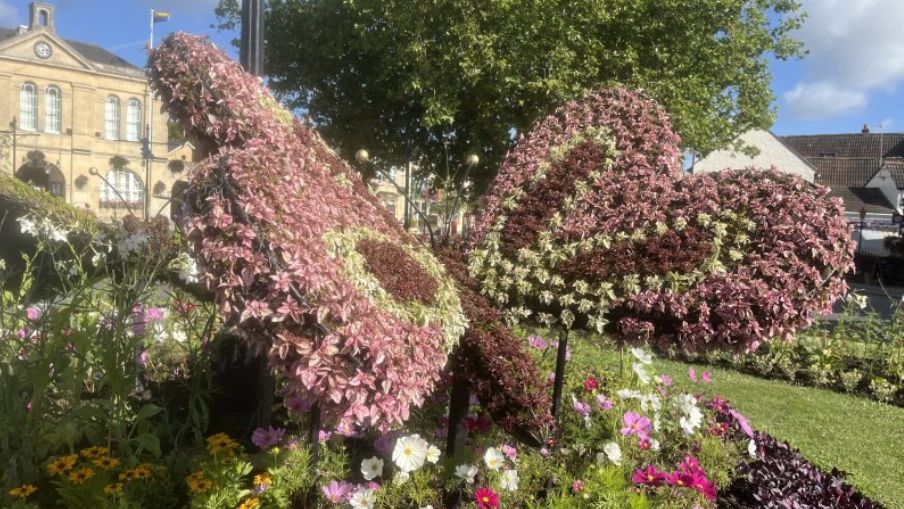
362,156
860,237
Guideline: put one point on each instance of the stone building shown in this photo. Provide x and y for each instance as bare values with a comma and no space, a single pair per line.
74,116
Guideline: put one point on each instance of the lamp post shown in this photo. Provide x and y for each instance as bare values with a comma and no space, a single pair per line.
860,237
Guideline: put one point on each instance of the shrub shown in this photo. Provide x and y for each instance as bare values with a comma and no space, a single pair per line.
583,219
305,264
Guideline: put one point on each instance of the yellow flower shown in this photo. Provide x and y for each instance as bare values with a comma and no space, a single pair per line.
198,482
219,438
23,491
94,452
250,503
113,489
81,475
62,464
106,462
128,475
141,472
263,479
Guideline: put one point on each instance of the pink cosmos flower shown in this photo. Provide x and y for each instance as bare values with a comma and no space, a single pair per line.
537,342
544,452
33,314
509,451
582,408
665,380
649,476
297,404
603,402
577,486
692,374
324,435
707,377
635,424
590,384
267,438
143,358
742,422
337,492
486,498
384,443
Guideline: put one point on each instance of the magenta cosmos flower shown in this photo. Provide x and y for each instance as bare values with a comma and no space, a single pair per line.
649,476
337,492
636,424
486,498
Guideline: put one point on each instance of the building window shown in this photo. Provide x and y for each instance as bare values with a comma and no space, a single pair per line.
133,120
122,187
111,118
53,103
28,107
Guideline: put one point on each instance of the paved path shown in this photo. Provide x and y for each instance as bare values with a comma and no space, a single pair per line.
882,300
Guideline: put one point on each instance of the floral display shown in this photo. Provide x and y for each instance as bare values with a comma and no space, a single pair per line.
501,372
315,287
584,218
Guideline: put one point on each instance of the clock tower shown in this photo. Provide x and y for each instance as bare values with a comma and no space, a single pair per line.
40,15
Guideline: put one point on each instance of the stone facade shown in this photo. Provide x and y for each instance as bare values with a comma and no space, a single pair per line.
76,115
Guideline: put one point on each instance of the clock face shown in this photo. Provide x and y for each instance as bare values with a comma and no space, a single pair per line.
43,50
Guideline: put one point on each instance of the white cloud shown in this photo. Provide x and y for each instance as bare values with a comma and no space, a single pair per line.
855,46
9,16
823,100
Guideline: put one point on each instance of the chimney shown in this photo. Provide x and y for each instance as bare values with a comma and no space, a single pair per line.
865,129
40,15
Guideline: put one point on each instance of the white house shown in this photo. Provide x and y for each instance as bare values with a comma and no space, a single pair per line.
772,152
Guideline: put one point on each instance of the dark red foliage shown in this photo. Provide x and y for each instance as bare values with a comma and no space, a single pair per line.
398,273
544,198
781,478
496,363
672,251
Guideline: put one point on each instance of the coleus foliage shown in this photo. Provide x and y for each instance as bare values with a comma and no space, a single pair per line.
352,312
589,223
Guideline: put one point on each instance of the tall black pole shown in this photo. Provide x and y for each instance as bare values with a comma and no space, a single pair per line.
561,353
251,48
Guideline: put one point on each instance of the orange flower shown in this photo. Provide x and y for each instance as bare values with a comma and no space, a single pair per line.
62,464
250,503
81,475
106,462
23,491
114,489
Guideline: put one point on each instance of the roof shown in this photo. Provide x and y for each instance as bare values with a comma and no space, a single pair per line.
844,172
895,166
106,60
870,199
847,145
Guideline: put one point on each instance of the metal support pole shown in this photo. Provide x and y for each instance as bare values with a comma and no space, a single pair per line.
459,401
251,48
407,222
314,436
560,373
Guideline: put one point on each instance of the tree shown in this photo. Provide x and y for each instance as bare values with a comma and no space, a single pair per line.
432,81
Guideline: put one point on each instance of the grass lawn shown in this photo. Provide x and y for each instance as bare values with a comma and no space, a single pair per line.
856,435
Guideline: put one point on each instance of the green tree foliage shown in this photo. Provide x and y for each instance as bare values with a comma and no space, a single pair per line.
434,80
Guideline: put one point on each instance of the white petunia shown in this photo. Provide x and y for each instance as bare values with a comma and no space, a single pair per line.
493,458
372,468
410,453
466,472
751,448
433,454
613,453
509,481
642,356
363,499
641,373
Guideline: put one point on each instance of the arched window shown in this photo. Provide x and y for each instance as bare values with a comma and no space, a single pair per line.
111,118
53,108
133,120
28,107
122,187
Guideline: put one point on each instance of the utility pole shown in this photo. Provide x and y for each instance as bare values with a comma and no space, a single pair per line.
251,48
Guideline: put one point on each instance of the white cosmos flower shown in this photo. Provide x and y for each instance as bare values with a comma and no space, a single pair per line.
509,481
433,454
493,458
400,478
363,499
628,393
372,468
410,452
642,356
690,422
751,448
654,444
641,373
613,453
650,401
466,472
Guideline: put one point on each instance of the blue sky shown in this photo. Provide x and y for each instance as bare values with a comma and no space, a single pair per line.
853,74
